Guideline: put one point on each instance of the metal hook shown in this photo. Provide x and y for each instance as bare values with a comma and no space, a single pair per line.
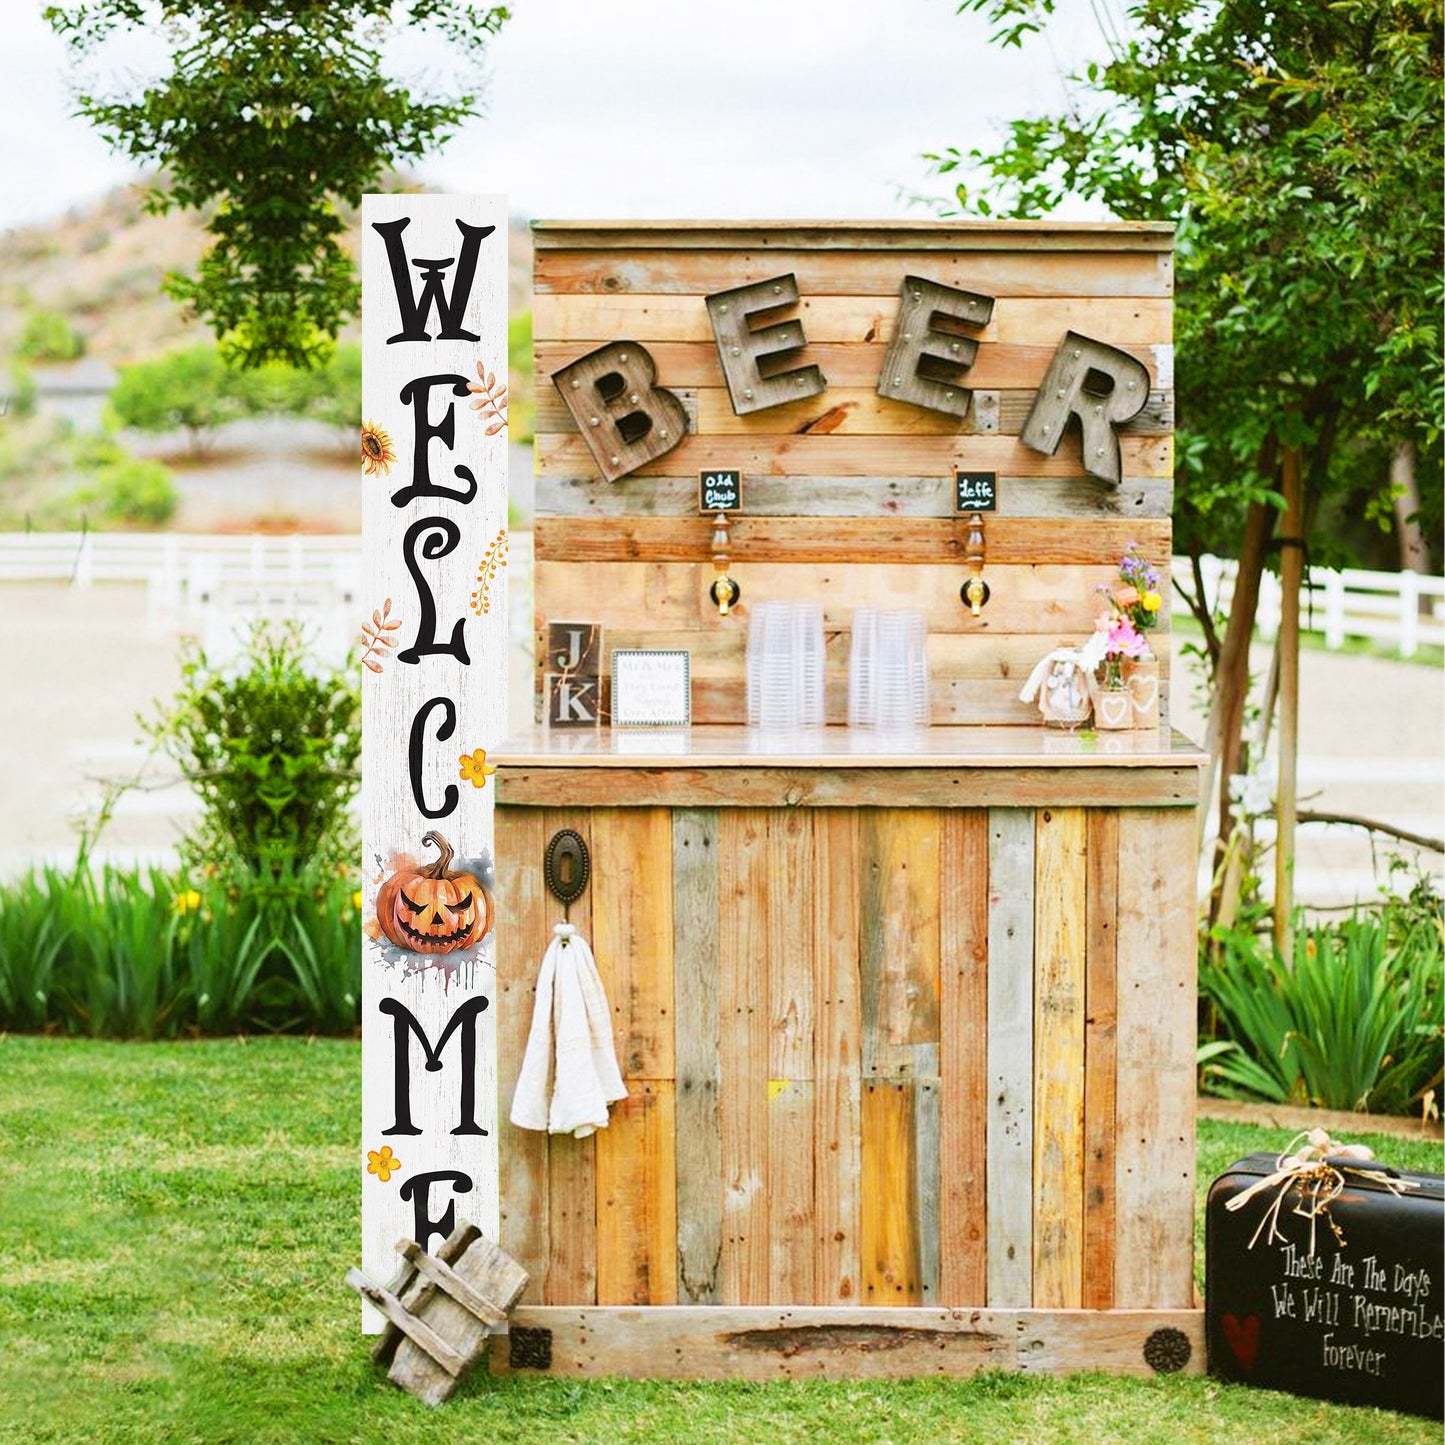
566,868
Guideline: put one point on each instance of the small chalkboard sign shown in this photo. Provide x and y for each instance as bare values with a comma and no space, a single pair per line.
720,490
975,491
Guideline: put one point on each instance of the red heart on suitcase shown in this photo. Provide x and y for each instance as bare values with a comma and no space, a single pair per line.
1243,1337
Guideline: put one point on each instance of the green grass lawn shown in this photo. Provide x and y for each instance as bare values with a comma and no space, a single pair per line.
177,1219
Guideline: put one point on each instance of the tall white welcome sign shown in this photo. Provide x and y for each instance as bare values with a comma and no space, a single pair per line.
434,517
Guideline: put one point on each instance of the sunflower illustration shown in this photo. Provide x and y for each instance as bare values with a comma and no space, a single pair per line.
377,453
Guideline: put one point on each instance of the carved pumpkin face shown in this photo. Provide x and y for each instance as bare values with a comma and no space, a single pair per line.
435,909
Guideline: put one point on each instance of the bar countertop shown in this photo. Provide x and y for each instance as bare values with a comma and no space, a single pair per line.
716,746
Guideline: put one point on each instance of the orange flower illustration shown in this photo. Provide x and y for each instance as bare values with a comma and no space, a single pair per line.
475,768
377,452
382,1162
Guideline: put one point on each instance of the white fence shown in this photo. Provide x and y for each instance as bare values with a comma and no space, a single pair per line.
307,575
212,586
1400,609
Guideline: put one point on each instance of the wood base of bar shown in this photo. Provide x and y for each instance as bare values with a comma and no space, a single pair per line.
702,1342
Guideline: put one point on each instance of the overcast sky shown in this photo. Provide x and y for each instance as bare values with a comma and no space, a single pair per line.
643,108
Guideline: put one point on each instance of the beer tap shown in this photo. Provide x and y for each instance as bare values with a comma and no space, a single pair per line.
974,592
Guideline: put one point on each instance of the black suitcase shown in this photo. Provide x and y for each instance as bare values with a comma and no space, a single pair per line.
1361,1320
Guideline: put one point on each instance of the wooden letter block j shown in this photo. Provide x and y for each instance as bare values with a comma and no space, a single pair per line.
625,419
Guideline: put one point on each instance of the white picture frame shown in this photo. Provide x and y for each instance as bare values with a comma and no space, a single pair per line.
651,688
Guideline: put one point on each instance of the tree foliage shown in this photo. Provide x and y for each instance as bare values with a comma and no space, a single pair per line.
275,113
1297,145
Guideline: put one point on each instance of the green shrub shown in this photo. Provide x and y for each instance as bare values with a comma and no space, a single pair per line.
1351,1020
18,398
147,954
329,393
190,389
521,413
49,336
271,748
132,490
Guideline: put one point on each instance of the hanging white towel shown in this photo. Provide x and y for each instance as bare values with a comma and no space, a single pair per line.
566,1088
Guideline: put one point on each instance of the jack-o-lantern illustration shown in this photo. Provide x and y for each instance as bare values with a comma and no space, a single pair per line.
436,909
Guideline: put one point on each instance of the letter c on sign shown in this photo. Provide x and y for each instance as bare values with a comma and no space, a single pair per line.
416,748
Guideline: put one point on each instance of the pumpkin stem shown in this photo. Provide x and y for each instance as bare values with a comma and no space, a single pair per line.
444,861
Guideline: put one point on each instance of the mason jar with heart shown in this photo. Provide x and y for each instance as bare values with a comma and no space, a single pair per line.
1141,682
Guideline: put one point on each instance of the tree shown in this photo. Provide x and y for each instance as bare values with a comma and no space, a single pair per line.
1297,146
275,114
191,388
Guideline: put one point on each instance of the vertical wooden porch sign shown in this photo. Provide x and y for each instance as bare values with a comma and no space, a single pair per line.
434,516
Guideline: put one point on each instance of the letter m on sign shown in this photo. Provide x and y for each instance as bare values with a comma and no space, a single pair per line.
416,306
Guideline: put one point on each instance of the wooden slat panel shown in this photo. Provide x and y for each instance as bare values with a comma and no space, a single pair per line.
1010,1055
571,1163
885,496
1060,884
858,787
899,942
1153,1229
836,1045
789,1004
788,1192
1016,320
1008,541
695,363
637,1198
963,1064
890,1219
744,890
699,1141
523,930
1099,1057
848,411
632,919
850,1344
862,456
955,701
1122,237
927,1186
672,596
978,655
832,273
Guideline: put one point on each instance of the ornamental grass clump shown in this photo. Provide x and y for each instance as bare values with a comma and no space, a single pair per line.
1350,1020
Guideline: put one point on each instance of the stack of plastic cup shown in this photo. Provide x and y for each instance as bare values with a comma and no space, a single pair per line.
888,670
785,665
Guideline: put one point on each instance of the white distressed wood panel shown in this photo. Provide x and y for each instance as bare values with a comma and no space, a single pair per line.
1010,1208
432,987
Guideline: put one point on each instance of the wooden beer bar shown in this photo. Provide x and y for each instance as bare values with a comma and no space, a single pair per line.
907,1024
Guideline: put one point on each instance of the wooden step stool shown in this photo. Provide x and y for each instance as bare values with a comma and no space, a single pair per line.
442,1311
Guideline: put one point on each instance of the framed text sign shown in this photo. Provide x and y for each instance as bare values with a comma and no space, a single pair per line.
434,514
651,688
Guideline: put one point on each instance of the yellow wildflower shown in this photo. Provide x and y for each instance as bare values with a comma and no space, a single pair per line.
382,1162
186,902
356,900
1152,601
475,768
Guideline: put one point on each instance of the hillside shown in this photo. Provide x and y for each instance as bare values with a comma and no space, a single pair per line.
102,265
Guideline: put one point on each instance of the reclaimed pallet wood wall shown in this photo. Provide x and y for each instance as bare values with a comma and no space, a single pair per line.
848,496
876,1057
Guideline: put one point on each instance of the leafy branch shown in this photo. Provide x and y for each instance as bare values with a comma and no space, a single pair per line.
375,633
491,400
